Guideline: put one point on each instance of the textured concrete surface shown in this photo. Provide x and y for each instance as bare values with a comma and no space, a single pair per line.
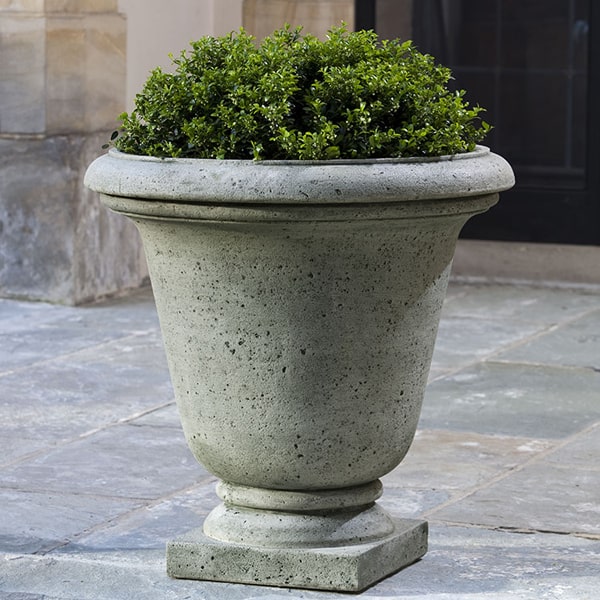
95,475
347,567
299,303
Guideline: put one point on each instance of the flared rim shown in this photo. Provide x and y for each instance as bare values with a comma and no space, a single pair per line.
185,180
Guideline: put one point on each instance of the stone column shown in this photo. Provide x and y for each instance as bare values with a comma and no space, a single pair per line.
261,17
62,85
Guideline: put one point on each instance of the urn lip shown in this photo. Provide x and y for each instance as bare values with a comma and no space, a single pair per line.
339,181
479,151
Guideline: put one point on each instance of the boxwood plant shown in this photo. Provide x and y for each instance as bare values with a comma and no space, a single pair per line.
294,96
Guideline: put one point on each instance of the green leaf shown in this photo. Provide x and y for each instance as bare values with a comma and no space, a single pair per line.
294,96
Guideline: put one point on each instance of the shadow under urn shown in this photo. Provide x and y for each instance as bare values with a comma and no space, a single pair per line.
299,304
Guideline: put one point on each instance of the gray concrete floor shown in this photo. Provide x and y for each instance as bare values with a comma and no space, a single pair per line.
95,475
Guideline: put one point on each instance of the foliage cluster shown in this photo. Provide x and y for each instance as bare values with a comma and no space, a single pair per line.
296,97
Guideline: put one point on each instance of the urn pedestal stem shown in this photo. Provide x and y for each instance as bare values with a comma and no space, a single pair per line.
331,540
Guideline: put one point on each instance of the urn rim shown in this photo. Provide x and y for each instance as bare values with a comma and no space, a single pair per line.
334,182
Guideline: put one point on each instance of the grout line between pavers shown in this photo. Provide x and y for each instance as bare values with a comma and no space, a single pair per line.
443,373
127,419
518,530
538,456
86,434
560,321
544,365
148,504
61,492
490,282
490,355
53,359
513,345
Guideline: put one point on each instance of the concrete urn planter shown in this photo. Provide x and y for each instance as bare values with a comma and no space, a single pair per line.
299,304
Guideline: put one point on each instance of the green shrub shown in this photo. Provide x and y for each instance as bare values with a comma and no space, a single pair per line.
297,97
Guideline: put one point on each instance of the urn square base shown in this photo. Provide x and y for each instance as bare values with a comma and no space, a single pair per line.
351,568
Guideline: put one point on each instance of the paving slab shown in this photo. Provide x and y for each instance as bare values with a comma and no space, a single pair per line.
66,397
544,498
557,491
41,521
530,304
464,340
513,399
17,446
19,316
124,461
574,344
32,332
582,451
460,461
151,526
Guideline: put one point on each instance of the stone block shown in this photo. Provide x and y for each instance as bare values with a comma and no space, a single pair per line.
81,6
61,72
59,6
85,72
57,242
36,246
22,5
62,86
22,79
343,568
261,17
66,67
108,254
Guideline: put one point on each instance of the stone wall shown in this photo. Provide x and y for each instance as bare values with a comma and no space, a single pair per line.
62,83
261,17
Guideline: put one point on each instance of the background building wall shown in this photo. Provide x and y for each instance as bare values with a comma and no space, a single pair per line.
261,17
68,68
62,81
157,28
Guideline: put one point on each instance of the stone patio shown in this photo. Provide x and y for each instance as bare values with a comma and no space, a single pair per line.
95,475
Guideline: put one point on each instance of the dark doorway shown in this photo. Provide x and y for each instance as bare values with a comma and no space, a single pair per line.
535,66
